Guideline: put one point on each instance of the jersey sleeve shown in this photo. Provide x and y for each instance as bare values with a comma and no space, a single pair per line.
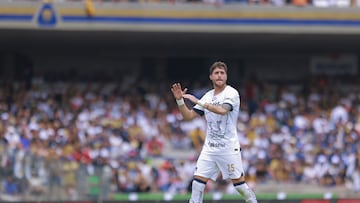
199,109
232,98
199,112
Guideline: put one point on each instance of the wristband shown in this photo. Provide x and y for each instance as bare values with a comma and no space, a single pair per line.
201,103
180,102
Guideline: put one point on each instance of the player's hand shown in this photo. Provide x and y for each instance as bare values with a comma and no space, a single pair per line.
177,91
192,98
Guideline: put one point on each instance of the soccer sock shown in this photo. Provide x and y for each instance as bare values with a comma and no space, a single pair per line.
197,191
246,192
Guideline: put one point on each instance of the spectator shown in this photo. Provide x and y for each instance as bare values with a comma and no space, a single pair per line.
37,186
197,137
11,187
154,147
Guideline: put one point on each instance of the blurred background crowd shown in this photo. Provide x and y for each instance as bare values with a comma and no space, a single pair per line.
86,110
77,140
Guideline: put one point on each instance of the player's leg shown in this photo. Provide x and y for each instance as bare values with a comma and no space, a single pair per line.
231,168
245,191
197,189
205,170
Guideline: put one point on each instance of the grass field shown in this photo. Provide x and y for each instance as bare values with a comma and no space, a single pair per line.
217,196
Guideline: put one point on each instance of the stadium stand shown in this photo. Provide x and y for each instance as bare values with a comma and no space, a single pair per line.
83,139
78,127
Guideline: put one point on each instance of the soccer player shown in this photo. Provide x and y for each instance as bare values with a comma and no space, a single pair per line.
221,151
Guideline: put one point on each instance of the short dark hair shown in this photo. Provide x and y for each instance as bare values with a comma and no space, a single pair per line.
218,64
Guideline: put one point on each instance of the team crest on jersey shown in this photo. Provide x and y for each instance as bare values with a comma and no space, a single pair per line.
215,130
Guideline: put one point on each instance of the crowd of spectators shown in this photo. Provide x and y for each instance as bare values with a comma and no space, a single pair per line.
76,140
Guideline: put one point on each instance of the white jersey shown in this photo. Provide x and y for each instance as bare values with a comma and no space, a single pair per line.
221,133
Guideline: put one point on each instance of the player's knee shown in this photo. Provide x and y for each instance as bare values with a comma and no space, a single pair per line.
200,179
199,182
238,180
198,185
